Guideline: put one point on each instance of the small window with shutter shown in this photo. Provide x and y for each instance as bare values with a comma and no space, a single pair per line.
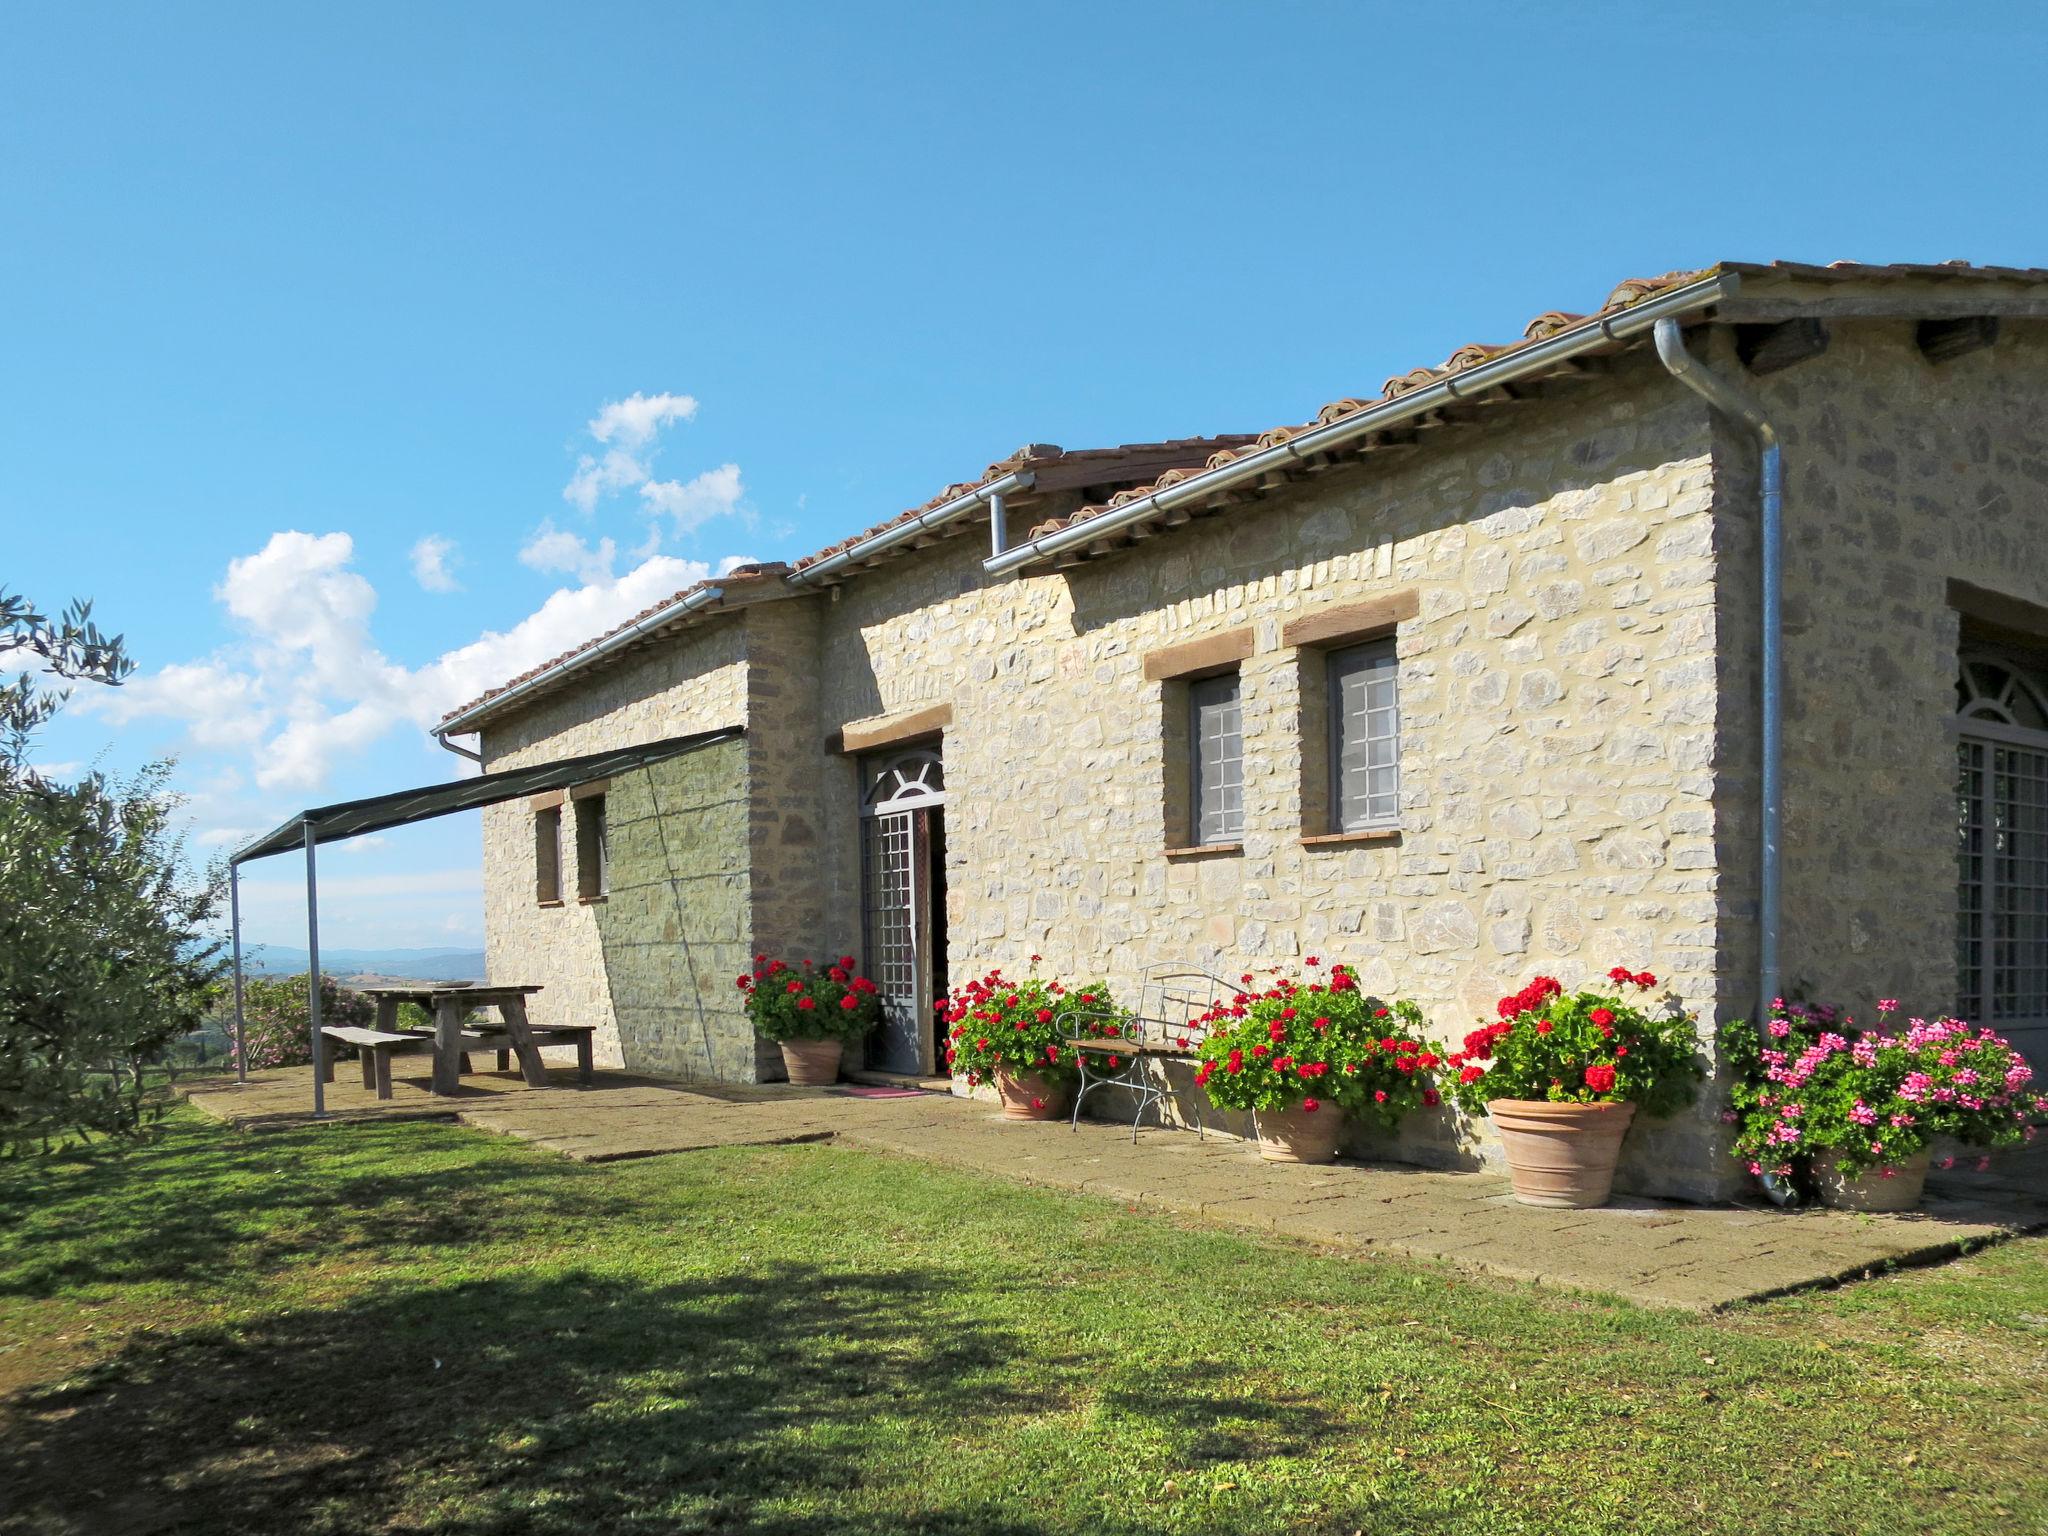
1365,738
1216,768
547,854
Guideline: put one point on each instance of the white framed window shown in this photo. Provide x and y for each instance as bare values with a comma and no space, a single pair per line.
1365,737
1216,760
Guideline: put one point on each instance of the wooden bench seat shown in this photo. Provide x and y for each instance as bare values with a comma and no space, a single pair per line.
1141,1047
377,1047
484,1038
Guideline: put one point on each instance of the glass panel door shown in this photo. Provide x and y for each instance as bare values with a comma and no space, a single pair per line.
2002,898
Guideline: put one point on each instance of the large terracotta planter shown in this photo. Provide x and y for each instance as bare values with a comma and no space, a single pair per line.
812,1063
1298,1135
1871,1190
1031,1096
1561,1154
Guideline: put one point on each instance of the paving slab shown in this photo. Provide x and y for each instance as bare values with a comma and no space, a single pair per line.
1696,1257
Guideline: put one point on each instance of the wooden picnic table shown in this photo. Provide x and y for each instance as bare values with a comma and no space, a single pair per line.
447,1002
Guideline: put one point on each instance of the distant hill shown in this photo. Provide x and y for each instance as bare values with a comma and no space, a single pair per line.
404,964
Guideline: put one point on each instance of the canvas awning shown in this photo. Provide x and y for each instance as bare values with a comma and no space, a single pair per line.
352,818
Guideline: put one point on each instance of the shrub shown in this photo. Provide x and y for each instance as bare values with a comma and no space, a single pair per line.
1319,1044
1811,1083
279,1023
789,1002
1585,1047
1020,1027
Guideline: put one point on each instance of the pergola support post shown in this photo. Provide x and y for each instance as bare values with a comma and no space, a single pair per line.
313,975
235,928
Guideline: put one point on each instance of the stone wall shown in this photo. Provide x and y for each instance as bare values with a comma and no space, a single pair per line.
1902,476
1559,699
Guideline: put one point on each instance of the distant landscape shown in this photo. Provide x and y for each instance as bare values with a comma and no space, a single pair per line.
368,964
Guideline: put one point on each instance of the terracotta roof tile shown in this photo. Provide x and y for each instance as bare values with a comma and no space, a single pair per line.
1549,323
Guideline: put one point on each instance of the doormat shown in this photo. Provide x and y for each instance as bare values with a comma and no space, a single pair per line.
862,1091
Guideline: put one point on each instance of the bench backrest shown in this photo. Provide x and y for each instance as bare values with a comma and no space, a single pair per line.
1172,998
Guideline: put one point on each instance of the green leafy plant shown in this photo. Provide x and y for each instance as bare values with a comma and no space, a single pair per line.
1585,1047
1027,1026
277,1017
1811,1084
807,1002
1320,1044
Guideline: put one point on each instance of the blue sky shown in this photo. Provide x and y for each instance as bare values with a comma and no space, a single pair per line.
288,292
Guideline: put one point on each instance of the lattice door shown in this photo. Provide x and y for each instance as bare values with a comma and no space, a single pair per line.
2002,906
889,908
900,795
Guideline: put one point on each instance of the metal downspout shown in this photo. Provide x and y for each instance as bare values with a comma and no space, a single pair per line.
449,746
1739,405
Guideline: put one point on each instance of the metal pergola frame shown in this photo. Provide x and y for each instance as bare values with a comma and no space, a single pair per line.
354,818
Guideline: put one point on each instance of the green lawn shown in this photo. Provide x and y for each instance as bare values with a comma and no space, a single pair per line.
419,1328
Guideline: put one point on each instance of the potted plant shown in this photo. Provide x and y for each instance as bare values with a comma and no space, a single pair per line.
1301,1057
1850,1115
810,1013
1562,1074
1017,1035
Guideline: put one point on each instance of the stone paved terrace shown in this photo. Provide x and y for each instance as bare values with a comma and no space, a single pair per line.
1694,1257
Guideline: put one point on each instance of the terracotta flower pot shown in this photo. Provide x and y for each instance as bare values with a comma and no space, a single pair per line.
1561,1154
812,1063
1871,1190
1299,1135
1031,1096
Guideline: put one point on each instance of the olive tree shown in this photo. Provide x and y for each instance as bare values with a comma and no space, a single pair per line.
103,955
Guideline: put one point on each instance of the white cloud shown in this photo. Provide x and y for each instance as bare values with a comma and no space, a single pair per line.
597,477
689,505
638,418
431,568
555,549
625,439
308,687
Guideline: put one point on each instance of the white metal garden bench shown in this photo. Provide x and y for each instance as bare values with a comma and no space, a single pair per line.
1113,1051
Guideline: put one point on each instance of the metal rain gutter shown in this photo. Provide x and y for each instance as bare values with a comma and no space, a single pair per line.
1519,363
689,603
1743,408
990,495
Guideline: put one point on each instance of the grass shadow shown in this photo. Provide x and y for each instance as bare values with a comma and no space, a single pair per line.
571,1403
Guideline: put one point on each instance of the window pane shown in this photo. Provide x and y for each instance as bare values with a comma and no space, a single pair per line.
547,853
1215,733
1365,738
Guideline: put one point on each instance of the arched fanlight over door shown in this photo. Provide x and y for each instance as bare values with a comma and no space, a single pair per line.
1996,689
2002,847
902,783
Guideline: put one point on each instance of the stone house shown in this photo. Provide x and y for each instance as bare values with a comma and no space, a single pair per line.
1459,683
